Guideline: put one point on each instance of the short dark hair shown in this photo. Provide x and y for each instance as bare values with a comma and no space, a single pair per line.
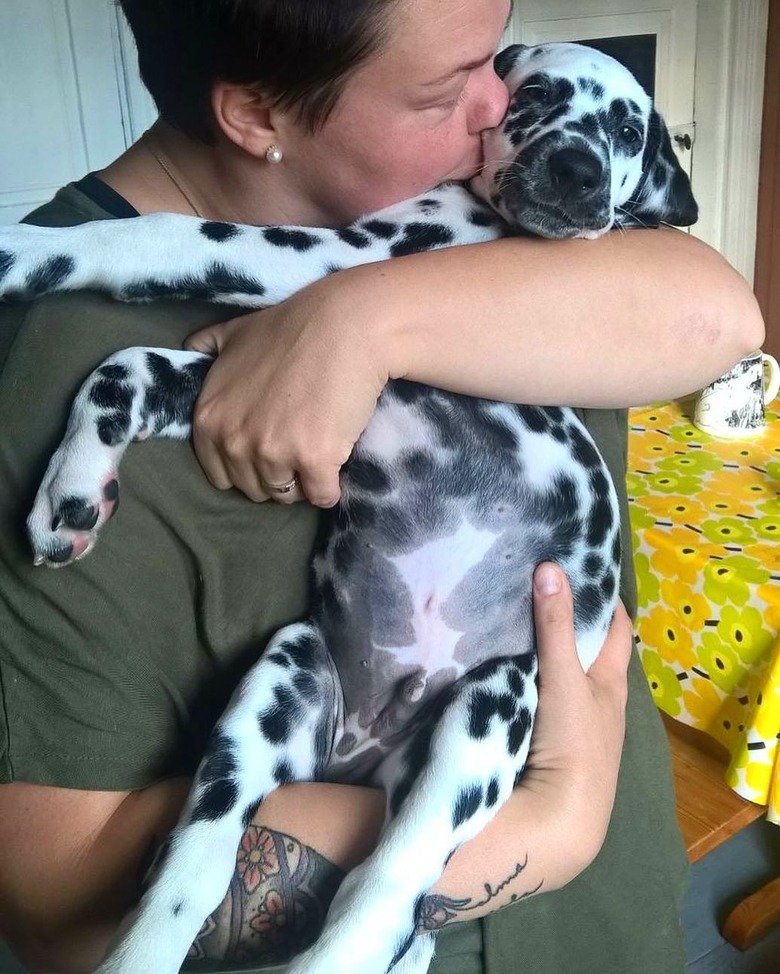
299,52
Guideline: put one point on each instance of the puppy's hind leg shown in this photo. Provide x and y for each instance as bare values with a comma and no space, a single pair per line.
278,728
443,787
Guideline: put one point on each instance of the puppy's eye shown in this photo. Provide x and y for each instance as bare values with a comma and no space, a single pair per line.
629,135
536,94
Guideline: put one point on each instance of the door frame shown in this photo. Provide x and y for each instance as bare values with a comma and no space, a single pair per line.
730,69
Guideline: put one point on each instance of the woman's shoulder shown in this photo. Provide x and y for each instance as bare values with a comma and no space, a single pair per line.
83,201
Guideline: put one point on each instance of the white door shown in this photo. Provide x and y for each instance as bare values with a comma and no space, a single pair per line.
70,100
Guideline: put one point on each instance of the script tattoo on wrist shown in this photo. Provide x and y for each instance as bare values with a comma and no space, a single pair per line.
276,904
436,910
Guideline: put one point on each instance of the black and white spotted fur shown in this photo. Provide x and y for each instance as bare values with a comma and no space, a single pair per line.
416,669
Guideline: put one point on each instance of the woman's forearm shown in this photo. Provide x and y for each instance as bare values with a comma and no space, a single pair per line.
520,852
627,319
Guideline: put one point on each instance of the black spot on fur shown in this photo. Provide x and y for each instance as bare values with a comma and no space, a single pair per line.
282,773
298,240
418,464
249,813
355,238
504,61
343,551
368,475
50,275
170,398
593,565
516,682
599,520
380,228
358,513
406,391
466,804
591,85
114,372
110,393
307,686
278,720
534,418
483,706
304,652
421,237
217,800
218,231
281,659
608,586
217,775
482,217
588,603
216,280
219,760
7,261
518,731
492,792
178,907
583,449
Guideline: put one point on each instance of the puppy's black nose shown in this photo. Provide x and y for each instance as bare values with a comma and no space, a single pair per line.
575,174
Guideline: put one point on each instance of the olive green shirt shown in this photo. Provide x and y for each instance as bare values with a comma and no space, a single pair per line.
113,670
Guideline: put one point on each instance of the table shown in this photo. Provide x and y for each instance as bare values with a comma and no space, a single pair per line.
705,517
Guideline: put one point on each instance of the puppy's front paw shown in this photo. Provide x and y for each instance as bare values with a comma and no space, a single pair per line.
64,523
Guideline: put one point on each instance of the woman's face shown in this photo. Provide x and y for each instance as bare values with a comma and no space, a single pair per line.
409,118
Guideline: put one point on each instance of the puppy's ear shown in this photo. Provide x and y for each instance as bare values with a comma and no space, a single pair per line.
664,192
504,60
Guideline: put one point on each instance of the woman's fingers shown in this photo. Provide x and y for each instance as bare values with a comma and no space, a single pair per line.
289,394
581,715
609,671
554,620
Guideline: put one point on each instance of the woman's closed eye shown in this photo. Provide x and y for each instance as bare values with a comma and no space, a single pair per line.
450,102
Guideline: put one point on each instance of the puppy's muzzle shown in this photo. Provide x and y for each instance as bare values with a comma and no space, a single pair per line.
575,176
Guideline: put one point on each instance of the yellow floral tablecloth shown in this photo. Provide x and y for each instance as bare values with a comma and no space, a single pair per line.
705,515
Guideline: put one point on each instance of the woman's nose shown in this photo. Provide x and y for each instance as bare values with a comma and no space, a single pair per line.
492,104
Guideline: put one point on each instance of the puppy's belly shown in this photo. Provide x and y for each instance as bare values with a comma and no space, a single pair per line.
414,623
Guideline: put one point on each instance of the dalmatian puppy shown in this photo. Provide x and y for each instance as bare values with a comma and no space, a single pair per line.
416,668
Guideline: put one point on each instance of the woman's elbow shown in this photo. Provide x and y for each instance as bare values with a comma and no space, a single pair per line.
720,322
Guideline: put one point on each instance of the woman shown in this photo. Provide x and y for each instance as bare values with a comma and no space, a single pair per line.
113,671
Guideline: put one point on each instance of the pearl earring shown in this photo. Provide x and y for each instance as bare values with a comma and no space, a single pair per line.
274,154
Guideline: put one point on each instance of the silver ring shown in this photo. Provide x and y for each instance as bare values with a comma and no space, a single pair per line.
283,488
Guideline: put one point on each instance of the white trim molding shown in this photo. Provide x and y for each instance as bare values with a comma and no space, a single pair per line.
730,65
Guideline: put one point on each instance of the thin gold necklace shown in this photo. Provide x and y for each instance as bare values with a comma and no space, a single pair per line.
161,163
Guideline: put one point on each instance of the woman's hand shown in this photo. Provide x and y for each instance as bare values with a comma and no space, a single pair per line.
580,724
555,821
292,389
